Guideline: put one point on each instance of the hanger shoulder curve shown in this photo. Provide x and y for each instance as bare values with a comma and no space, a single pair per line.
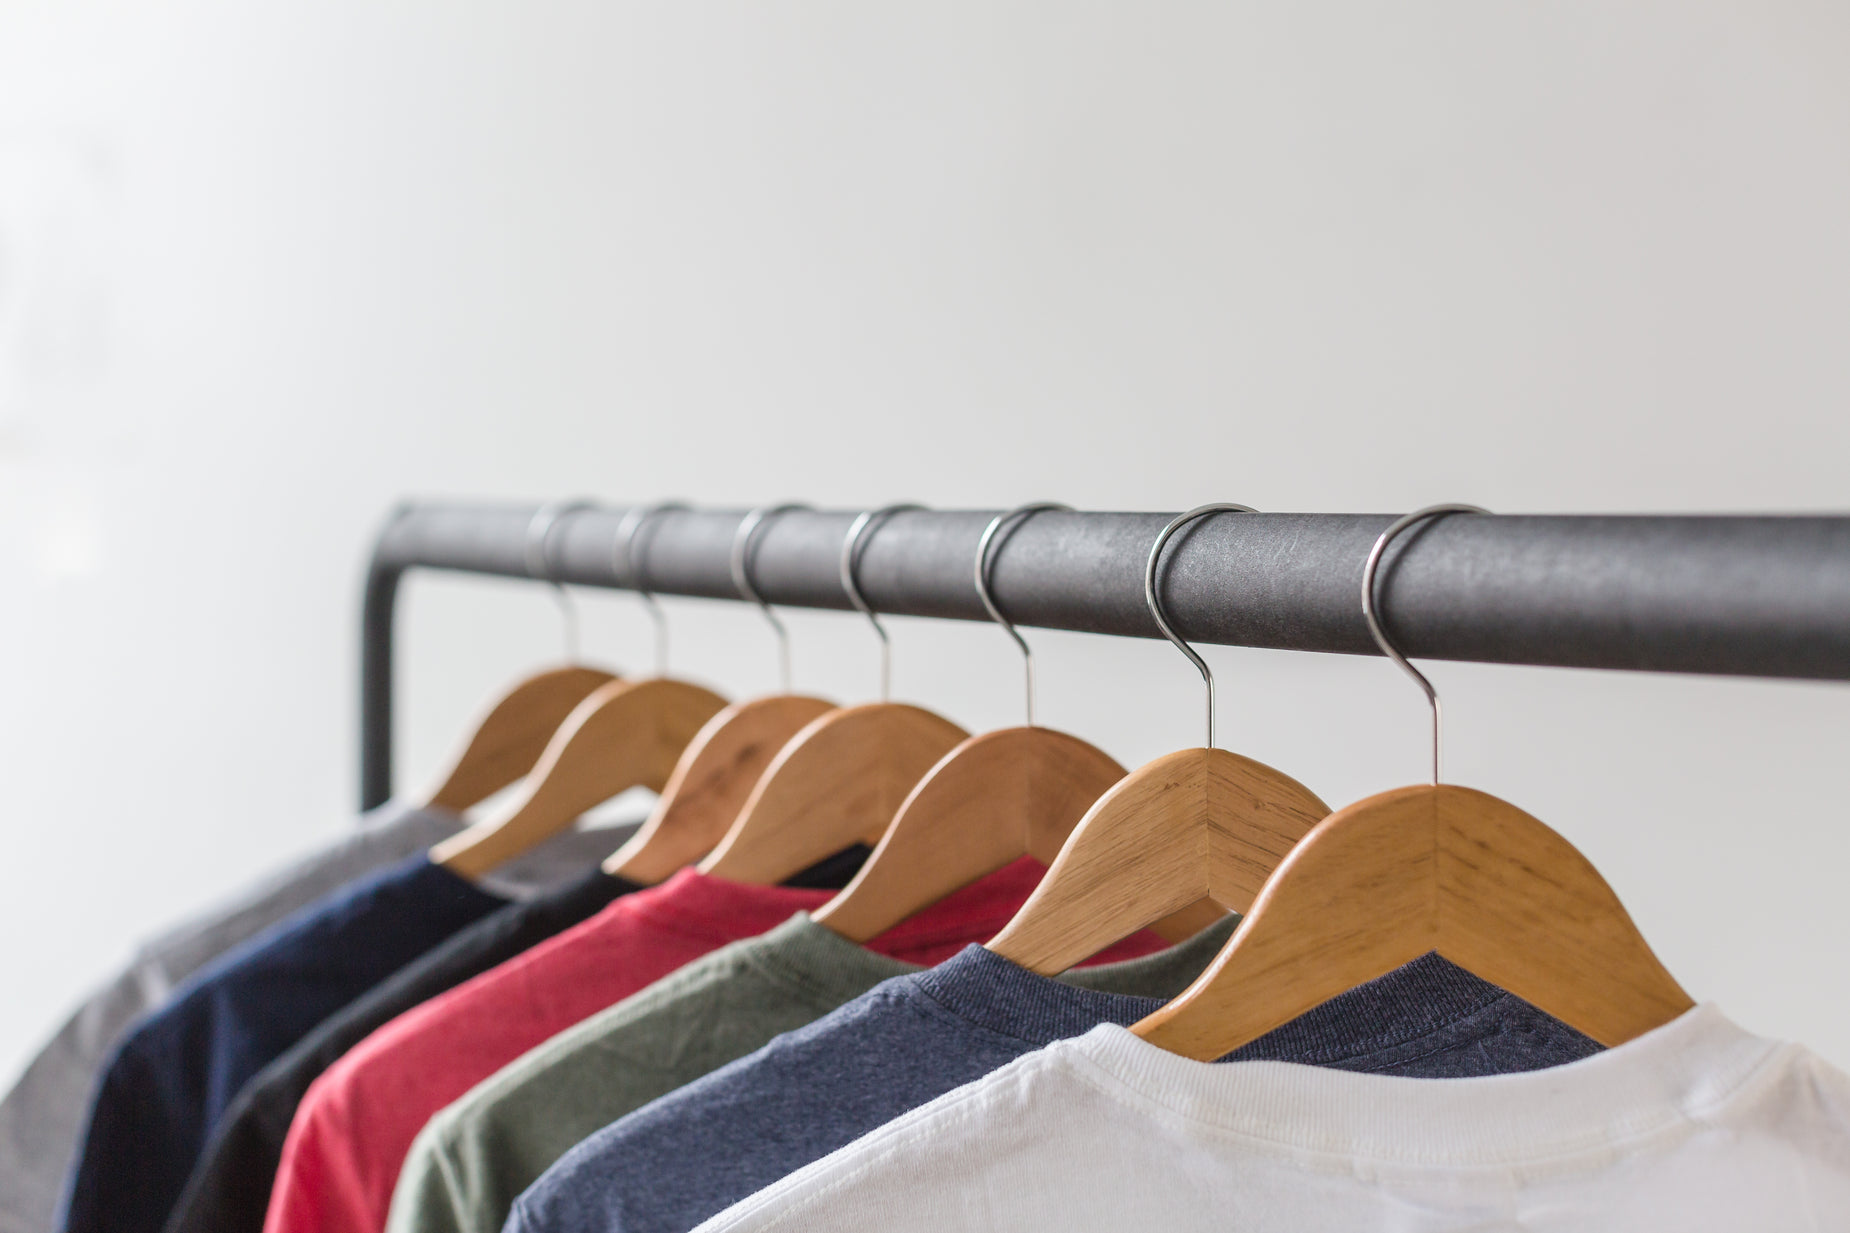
1256,815
510,733
710,784
990,800
626,734
838,781
1384,881
1506,879
1191,826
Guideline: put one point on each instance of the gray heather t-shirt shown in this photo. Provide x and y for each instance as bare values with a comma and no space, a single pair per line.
42,1115
677,1161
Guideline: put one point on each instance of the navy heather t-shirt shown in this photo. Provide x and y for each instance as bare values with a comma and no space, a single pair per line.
174,1074
675,1162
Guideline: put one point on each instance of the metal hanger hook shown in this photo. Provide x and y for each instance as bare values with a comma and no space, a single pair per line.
1155,602
989,601
863,527
632,569
743,541
1371,609
546,520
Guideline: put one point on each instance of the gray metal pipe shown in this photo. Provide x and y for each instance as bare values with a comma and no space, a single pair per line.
1732,595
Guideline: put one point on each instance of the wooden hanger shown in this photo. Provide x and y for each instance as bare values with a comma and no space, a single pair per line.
838,782
625,734
1429,868
1443,868
717,771
711,783
843,777
1185,837
993,799
512,731
1189,837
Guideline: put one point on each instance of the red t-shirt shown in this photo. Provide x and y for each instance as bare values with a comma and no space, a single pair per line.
357,1122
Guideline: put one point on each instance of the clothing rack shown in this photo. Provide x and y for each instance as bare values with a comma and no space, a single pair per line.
1765,596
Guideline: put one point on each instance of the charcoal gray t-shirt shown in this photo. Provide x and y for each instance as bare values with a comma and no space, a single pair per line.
695,1152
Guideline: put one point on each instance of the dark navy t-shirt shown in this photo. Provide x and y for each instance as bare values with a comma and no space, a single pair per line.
174,1074
675,1162
229,1191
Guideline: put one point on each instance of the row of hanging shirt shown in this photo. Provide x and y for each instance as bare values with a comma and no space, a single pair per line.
1434,1015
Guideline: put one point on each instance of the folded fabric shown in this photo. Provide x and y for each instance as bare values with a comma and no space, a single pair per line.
476,1156
43,1115
172,1076
807,1093
350,1136
1697,1127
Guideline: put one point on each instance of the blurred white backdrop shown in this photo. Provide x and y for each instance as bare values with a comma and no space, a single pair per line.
266,268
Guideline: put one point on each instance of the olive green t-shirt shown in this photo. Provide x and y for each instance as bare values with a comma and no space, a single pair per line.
475,1157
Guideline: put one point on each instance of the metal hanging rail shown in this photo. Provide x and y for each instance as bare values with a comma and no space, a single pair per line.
1764,596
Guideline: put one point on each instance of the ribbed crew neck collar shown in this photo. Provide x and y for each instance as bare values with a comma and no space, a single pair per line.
719,908
978,910
817,959
420,869
1415,1000
1655,1083
1002,996
993,993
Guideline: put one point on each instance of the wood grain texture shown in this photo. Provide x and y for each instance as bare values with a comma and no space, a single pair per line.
839,781
626,734
510,733
710,784
1394,876
991,800
1192,826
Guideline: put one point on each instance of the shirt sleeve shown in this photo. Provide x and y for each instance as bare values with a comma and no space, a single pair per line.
117,1182
432,1195
321,1185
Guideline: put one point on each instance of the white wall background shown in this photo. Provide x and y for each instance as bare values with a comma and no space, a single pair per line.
264,268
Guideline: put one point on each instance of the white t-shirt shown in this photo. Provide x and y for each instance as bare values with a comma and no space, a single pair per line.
1697,1127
